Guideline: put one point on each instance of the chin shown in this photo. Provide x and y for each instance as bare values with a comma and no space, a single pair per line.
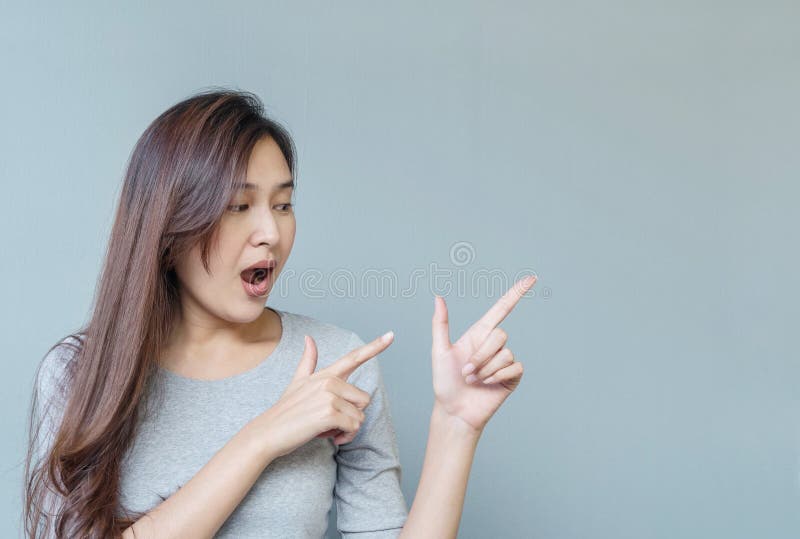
250,312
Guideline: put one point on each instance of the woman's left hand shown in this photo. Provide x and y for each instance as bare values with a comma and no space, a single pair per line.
463,394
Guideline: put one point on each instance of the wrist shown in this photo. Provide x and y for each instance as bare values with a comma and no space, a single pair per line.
256,438
453,425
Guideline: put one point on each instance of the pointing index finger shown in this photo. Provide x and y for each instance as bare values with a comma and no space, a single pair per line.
344,366
505,304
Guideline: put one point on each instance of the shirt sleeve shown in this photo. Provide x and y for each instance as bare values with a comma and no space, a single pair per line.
48,400
369,500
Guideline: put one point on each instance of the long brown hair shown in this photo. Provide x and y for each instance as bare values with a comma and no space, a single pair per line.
178,182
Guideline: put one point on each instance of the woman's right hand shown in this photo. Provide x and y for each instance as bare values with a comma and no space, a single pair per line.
319,404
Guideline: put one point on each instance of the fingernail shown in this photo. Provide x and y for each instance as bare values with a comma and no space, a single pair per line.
471,378
387,336
468,368
529,280
489,380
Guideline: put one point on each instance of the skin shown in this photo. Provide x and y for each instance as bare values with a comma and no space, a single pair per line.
224,332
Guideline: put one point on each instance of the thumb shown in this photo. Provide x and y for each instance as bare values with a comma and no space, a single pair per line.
440,326
308,362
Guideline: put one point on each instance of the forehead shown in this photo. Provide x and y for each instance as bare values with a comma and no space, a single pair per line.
267,169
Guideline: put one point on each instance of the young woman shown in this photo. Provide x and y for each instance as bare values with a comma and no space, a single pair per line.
186,408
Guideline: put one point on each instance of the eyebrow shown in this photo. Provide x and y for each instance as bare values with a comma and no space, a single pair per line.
288,184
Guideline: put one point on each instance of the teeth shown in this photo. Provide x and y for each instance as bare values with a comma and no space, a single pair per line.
257,275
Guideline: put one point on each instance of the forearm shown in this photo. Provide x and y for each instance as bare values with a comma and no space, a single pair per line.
202,505
437,506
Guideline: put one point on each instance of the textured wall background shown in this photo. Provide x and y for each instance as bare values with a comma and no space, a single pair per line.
640,157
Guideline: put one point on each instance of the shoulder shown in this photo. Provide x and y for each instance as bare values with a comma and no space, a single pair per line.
333,341
50,390
51,373
327,335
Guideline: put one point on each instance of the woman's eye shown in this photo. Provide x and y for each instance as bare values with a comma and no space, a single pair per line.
236,208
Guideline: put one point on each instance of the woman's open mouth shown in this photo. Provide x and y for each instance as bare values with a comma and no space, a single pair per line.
256,279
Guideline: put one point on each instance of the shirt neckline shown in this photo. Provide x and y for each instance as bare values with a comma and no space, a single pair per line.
276,354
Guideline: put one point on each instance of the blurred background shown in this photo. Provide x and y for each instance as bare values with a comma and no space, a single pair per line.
640,157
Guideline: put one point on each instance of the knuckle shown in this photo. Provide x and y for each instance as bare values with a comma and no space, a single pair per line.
501,334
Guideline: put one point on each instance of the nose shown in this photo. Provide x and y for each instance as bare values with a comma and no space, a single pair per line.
266,230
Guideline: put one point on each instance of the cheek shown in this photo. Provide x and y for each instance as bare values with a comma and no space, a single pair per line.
193,275
288,231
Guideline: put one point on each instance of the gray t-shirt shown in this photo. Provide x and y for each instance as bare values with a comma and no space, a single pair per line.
186,421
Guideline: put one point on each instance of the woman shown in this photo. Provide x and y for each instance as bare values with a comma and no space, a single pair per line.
186,408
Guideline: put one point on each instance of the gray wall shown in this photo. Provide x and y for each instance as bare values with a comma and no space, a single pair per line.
640,157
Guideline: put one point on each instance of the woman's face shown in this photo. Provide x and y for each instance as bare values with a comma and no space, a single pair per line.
258,225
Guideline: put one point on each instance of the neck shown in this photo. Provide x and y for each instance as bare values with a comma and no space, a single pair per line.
196,335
